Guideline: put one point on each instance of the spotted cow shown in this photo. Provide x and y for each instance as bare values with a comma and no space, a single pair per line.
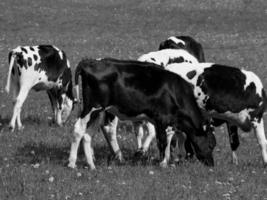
42,67
228,93
137,90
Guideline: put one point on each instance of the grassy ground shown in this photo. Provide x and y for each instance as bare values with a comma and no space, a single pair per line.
32,162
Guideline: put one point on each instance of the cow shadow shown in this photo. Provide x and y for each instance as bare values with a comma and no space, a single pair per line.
43,153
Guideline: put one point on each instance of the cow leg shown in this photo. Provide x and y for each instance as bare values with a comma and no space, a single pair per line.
167,152
23,93
234,141
88,150
110,132
259,131
181,136
150,137
53,102
78,133
139,131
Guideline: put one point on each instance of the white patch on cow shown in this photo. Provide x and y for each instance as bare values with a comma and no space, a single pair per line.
79,133
259,131
98,59
110,133
68,63
151,135
201,97
66,107
169,133
59,52
176,40
30,54
183,68
163,57
253,78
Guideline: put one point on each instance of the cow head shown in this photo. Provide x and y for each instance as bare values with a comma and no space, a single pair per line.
170,44
203,146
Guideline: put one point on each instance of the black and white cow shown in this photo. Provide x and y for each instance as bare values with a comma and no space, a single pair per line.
162,58
184,42
227,93
137,90
193,54
42,67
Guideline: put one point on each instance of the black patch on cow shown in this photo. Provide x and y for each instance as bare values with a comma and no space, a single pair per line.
225,87
21,61
31,48
51,62
24,50
191,74
176,60
35,57
13,71
153,59
29,61
19,72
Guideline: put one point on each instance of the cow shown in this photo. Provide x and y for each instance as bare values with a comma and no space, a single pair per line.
228,93
162,58
138,90
184,42
43,67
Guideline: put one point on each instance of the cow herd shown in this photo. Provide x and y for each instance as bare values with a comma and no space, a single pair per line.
173,93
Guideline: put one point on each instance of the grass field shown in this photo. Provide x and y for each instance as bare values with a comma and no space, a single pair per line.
33,161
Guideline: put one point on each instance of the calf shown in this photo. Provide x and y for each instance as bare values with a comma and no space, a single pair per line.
228,93
42,67
137,90
184,42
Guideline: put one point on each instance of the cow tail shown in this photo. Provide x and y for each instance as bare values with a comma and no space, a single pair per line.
12,57
77,88
264,104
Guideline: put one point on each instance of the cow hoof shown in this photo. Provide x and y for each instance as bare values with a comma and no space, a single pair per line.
72,165
172,165
163,164
20,128
139,154
11,128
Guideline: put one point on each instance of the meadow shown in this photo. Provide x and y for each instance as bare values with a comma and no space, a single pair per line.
33,161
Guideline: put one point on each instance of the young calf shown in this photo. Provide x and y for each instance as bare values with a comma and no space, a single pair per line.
228,93
137,90
42,67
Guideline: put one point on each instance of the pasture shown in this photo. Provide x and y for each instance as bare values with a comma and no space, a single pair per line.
33,161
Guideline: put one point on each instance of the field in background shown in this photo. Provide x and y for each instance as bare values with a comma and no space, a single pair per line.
33,161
